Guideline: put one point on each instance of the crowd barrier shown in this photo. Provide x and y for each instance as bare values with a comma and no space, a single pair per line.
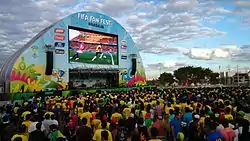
26,96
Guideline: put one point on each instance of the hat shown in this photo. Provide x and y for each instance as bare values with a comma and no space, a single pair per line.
210,112
241,113
197,116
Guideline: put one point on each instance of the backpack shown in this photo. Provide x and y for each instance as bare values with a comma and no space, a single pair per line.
122,134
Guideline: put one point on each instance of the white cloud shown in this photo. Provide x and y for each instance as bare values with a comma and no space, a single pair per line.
117,7
201,53
153,70
173,21
153,25
166,65
242,10
243,3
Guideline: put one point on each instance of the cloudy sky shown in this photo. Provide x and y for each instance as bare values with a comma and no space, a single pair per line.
169,33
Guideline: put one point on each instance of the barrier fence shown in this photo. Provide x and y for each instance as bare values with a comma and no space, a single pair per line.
26,96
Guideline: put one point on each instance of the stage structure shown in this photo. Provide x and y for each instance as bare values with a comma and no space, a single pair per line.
83,50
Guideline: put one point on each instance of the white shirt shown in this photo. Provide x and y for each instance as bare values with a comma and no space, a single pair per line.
46,123
219,127
55,122
33,127
236,132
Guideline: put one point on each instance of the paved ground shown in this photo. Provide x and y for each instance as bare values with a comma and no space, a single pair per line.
4,102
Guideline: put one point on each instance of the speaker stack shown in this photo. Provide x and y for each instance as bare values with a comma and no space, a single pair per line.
49,63
134,65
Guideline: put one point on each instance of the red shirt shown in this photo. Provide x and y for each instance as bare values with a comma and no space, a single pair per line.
74,120
222,116
228,134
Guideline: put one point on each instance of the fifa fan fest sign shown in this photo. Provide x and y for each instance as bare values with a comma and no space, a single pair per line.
94,20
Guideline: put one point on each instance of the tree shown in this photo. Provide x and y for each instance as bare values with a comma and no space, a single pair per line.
166,78
195,75
152,82
214,78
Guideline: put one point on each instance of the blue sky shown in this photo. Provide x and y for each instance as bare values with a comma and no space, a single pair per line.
169,33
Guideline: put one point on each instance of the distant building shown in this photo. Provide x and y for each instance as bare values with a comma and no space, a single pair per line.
222,74
241,79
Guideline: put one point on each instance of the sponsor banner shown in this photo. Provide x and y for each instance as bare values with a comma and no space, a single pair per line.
124,57
124,47
59,51
124,51
59,37
124,44
59,45
59,30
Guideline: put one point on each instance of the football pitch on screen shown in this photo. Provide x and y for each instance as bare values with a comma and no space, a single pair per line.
86,57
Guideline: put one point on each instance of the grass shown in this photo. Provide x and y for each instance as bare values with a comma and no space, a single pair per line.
86,57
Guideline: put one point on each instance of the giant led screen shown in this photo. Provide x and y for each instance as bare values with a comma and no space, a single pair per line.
92,47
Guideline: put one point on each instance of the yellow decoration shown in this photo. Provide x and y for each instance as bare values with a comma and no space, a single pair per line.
63,84
16,88
35,85
41,70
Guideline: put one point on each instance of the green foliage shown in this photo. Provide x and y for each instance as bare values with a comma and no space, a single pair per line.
123,84
166,78
196,75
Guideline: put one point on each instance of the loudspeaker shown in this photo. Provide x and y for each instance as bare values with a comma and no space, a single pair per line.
133,66
49,63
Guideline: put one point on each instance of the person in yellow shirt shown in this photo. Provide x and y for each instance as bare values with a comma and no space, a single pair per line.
64,110
79,109
27,121
23,116
21,134
228,115
16,112
88,116
168,107
95,124
116,117
127,111
16,108
98,136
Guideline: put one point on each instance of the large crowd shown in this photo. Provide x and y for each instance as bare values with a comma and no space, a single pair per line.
200,114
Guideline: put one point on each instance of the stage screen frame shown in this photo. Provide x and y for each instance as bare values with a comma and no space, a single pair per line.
105,56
